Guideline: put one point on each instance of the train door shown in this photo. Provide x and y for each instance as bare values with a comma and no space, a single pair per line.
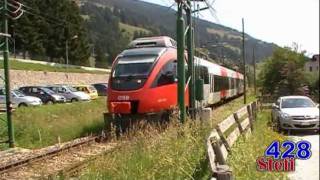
204,74
164,87
234,87
229,87
217,87
211,89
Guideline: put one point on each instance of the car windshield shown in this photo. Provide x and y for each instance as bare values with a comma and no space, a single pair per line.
134,66
71,89
91,88
297,103
48,91
18,93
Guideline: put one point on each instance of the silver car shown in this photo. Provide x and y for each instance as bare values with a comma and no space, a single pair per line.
295,113
69,93
19,99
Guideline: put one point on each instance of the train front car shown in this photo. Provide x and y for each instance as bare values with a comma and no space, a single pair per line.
143,78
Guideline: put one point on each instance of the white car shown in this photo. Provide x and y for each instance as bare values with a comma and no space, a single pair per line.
295,113
69,93
18,99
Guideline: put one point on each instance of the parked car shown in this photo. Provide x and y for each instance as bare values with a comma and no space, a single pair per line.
90,90
46,95
70,93
18,99
295,113
101,88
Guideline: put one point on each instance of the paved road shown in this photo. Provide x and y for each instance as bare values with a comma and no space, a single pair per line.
307,169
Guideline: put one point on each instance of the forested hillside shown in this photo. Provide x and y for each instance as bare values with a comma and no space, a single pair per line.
45,28
222,42
103,28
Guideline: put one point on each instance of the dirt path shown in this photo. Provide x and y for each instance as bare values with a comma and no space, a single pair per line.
307,169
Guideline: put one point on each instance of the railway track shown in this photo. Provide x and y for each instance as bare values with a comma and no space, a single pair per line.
64,159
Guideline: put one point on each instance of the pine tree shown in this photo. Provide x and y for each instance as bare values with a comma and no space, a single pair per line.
45,28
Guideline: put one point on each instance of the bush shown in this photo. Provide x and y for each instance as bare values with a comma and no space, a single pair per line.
283,72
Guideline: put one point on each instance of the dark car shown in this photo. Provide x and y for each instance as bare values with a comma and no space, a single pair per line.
101,88
46,95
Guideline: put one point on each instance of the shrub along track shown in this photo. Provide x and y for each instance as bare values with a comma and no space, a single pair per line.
62,159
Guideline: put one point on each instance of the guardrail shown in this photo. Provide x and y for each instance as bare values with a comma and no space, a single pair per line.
224,135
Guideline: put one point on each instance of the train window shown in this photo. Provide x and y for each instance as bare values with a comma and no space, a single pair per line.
217,83
167,75
231,83
134,66
203,73
221,83
237,83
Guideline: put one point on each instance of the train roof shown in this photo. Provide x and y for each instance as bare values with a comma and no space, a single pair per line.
156,51
159,41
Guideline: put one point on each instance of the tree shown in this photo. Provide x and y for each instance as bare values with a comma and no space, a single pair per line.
105,33
46,26
282,73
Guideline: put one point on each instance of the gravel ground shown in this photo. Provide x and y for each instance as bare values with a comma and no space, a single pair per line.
307,169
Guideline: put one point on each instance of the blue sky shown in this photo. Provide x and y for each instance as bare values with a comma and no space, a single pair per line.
280,21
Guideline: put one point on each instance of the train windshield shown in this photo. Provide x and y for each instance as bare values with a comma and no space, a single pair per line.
134,66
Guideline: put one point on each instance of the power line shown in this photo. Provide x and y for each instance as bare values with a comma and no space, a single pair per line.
212,11
33,12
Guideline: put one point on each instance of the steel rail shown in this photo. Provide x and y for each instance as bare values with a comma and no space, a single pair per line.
23,162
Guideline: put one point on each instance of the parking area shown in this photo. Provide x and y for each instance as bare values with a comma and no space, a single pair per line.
52,94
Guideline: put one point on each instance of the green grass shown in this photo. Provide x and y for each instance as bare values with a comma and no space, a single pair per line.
177,153
17,65
43,126
131,29
246,151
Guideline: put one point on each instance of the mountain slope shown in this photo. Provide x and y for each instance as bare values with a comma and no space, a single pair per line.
160,20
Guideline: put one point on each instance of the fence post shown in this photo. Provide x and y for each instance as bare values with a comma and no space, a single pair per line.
249,109
236,118
216,148
255,110
223,172
223,139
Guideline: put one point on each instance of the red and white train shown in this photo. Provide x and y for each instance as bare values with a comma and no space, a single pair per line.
143,79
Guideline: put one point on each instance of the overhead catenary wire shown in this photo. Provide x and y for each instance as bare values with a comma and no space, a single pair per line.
30,11
37,14
212,10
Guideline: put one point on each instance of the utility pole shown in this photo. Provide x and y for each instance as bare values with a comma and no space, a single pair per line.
67,49
6,66
181,62
191,74
254,71
67,53
244,65
186,35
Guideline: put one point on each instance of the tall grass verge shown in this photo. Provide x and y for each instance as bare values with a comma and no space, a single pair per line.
179,152
37,127
246,151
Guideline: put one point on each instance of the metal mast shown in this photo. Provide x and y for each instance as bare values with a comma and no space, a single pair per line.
244,65
6,67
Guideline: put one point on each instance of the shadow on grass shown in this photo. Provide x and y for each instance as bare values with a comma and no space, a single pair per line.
202,171
93,129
